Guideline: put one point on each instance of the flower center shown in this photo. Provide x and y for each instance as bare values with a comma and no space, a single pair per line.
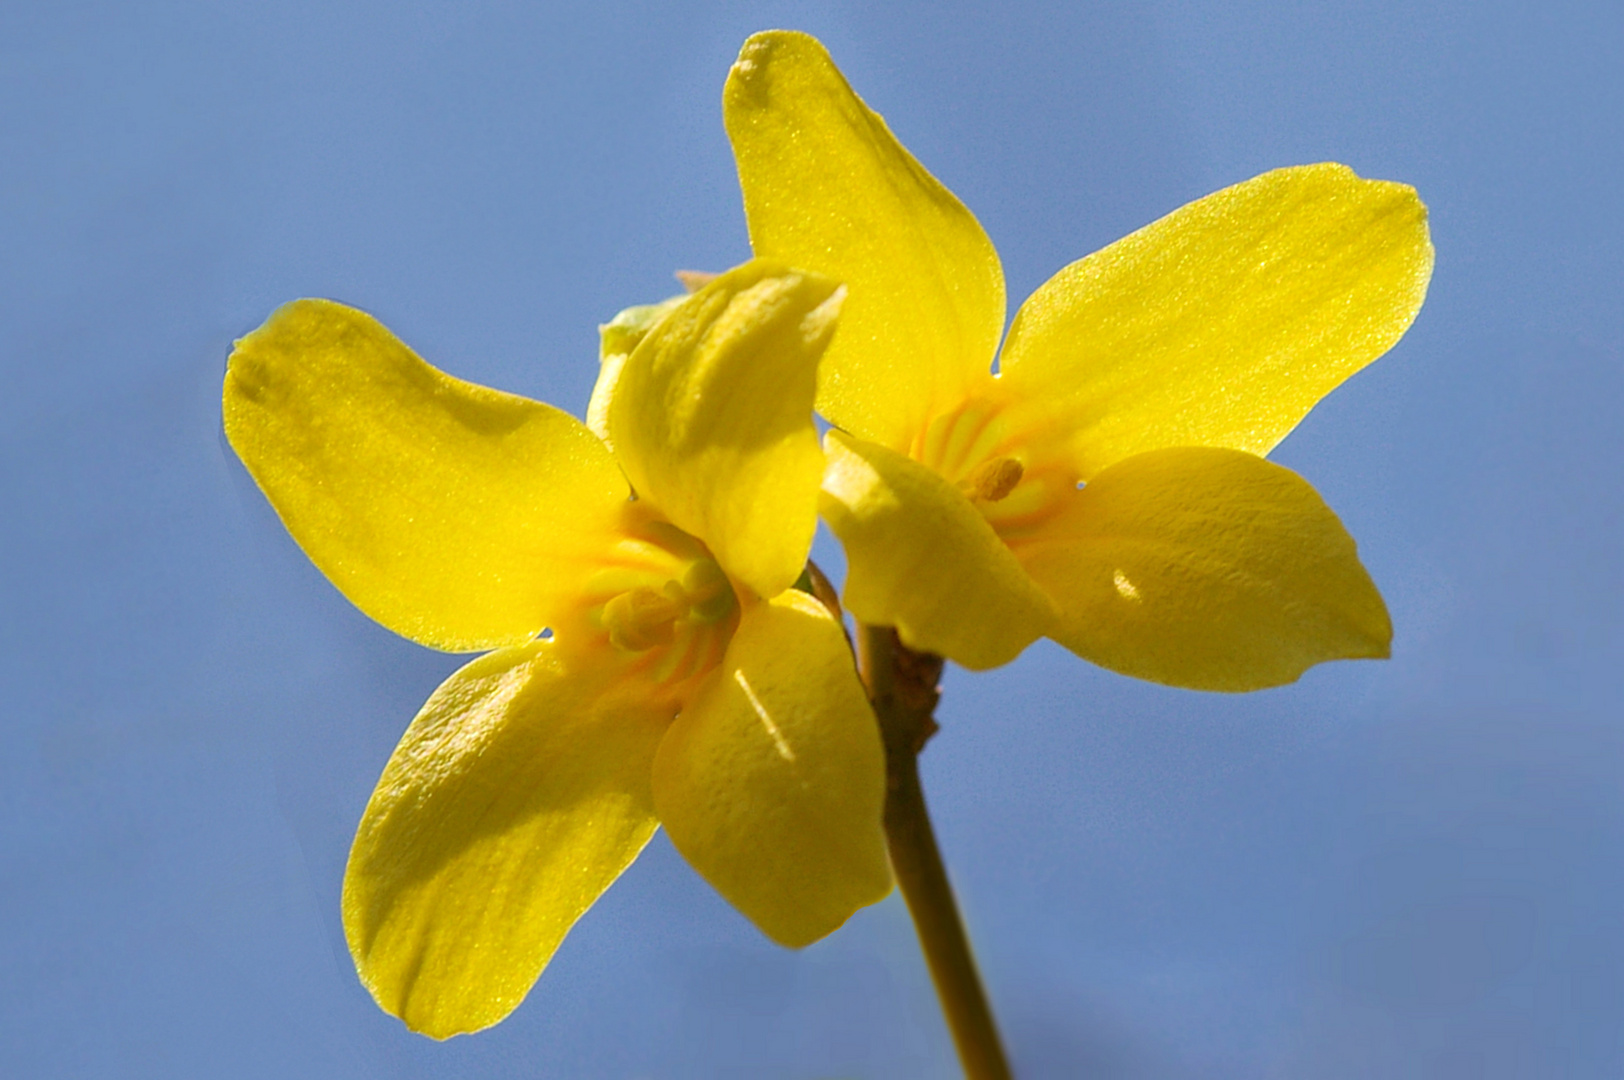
960,443
642,617
661,602
1017,480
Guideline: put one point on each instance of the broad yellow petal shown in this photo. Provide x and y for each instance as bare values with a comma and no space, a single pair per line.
711,417
772,781
453,514
518,795
920,557
1223,323
828,187
1206,568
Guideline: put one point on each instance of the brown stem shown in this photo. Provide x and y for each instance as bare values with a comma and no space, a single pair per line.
902,684
823,590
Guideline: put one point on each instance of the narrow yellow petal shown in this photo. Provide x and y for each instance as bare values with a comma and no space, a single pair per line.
621,334
616,340
772,781
920,557
453,514
516,797
1206,568
828,187
603,392
711,417
1223,323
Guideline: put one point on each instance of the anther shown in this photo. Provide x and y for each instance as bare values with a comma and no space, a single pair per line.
993,480
707,589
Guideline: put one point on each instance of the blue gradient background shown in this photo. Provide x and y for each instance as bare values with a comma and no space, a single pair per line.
1407,869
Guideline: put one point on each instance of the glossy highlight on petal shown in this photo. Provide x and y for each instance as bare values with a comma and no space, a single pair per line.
455,515
711,417
772,781
1226,321
827,187
1206,568
518,794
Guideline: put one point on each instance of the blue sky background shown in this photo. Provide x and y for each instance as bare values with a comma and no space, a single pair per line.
1405,869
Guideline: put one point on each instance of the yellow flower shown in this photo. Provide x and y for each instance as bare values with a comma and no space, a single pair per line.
683,682
1106,488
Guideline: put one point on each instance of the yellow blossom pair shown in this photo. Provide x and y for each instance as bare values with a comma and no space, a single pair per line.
683,682
1106,487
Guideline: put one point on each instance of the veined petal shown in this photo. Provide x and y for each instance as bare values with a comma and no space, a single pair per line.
1206,568
772,781
711,417
453,514
920,557
828,187
1223,323
516,797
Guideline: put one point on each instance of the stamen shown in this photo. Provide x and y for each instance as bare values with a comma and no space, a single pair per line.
994,479
641,618
707,589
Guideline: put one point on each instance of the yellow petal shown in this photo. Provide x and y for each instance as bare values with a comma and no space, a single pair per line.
711,417
616,340
452,514
621,334
920,557
1206,568
514,800
603,392
1223,323
828,187
772,781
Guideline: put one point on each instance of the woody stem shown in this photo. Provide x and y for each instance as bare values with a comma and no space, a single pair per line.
902,686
